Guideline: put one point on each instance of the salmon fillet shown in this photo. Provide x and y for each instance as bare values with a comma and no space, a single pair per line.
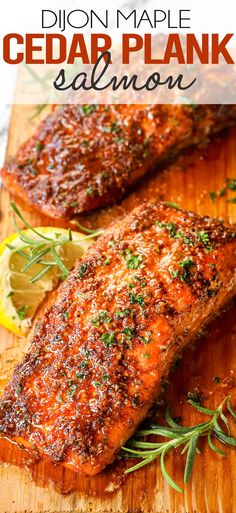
84,157
100,352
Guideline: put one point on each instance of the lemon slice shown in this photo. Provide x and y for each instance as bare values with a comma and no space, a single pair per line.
19,297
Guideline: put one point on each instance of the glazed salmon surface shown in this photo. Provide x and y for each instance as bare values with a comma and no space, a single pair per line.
99,354
86,156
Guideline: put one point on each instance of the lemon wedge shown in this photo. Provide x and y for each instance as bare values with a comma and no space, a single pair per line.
23,287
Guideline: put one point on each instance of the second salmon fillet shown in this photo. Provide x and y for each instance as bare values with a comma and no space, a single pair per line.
98,355
87,156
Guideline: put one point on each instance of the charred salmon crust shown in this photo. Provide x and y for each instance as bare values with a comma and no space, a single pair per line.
98,355
84,157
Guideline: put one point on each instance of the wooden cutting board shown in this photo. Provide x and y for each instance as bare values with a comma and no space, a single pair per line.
41,487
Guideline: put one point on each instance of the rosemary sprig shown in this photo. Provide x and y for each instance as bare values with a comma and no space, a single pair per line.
39,109
84,228
34,250
186,437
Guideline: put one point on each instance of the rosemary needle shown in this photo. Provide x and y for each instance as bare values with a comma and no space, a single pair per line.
84,228
40,245
38,111
182,436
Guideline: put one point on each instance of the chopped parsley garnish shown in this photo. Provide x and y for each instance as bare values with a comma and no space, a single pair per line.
120,314
65,315
172,204
232,200
147,338
86,352
22,312
39,146
72,390
174,233
10,294
186,265
18,389
90,191
136,298
97,383
108,338
133,261
169,226
88,109
131,285
112,128
79,375
74,204
120,140
82,270
212,195
128,332
105,377
204,238
103,316
231,184
222,192
174,274
186,240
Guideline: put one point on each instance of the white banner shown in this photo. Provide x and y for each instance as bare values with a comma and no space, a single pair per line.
130,52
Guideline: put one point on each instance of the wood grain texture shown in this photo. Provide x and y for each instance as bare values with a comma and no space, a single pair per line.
43,488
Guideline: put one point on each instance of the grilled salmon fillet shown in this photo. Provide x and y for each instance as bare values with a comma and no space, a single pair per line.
98,355
84,157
